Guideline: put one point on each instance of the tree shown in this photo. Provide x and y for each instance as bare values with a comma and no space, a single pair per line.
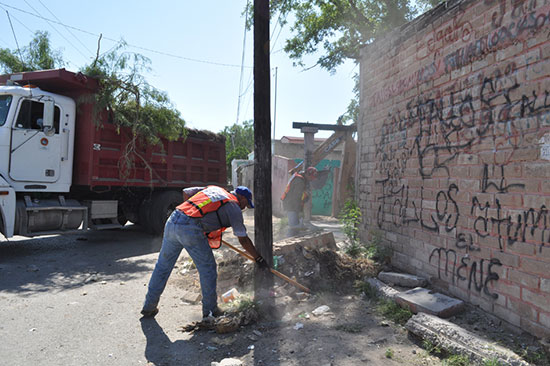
124,93
132,102
38,55
239,142
341,27
336,30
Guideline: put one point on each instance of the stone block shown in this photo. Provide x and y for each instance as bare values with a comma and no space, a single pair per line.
383,289
317,241
401,279
426,301
457,340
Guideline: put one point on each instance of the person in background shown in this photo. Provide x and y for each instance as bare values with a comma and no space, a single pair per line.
295,196
197,225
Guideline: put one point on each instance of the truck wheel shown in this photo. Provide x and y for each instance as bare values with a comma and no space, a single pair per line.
145,215
163,205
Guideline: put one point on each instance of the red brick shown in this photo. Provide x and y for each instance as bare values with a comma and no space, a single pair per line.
506,289
510,200
524,279
507,259
533,328
537,170
534,266
538,299
506,314
521,248
523,309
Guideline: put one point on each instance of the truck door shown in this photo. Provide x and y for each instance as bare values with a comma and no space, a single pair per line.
35,155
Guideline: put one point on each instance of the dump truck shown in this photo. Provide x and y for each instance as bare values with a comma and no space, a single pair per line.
62,166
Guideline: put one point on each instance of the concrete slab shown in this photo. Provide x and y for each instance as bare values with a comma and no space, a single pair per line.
401,279
383,289
457,340
426,301
317,240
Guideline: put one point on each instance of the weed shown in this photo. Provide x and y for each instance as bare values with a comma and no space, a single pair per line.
392,311
245,303
389,353
491,362
350,217
431,348
350,327
457,360
365,288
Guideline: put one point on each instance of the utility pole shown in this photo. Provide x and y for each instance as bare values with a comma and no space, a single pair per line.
263,229
275,106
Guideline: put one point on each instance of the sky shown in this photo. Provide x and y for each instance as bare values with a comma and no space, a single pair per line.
196,53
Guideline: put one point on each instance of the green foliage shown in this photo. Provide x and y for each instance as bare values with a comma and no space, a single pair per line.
491,362
131,102
389,353
432,348
394,312
364,287
124,95
239,142
350,218
457,360
338,29
38,55
350,327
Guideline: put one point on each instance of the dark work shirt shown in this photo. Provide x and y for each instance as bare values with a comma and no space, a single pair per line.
230,215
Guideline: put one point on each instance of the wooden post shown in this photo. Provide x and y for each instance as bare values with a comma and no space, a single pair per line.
263,229
309,146
347,170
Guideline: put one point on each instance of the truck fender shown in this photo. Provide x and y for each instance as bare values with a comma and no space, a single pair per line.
7,208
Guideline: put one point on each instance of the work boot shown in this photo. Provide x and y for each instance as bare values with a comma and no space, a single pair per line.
149,313
212,313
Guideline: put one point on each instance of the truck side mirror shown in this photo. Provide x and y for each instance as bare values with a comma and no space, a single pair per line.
47,121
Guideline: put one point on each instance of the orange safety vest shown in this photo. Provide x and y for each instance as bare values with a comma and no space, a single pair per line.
208,200
288,185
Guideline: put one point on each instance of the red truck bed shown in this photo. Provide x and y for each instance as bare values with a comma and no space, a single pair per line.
199,160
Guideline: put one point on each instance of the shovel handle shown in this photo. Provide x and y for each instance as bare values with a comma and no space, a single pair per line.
275,272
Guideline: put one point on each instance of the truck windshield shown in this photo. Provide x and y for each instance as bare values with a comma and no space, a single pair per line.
5,101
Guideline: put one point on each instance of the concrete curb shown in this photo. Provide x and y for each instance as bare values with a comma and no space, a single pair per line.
458,340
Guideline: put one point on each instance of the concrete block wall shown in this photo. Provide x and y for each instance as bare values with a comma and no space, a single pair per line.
454,153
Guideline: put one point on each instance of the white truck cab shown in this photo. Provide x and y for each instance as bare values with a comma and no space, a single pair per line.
36,153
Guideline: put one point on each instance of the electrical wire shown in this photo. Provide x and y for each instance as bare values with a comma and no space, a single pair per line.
128,44
68,29
14,36
54,28
242,62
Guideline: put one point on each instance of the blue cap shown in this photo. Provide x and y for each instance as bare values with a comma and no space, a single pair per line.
245,192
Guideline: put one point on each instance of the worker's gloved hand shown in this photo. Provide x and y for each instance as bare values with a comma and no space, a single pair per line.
260,261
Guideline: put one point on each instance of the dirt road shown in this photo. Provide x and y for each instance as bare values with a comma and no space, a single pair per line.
75,300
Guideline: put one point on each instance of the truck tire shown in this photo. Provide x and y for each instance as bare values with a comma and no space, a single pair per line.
163,204
145,215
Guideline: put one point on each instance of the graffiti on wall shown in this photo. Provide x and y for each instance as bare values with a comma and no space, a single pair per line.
524,20
487,122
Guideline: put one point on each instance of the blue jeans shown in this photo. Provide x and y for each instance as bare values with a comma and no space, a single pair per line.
182,231
294,223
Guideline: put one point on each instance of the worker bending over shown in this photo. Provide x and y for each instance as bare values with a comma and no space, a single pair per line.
197,225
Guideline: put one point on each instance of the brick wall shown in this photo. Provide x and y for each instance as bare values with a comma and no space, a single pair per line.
454,155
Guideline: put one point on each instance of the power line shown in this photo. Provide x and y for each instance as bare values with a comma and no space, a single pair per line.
128,44
14,36
68,30
54,28
242,63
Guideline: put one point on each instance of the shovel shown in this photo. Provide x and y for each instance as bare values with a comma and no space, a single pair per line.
275,272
